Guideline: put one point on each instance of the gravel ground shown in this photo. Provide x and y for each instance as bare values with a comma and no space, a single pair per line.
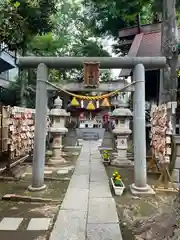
144,217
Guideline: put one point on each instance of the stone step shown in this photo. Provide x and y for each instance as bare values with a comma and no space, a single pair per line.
90,136
90,133
96,136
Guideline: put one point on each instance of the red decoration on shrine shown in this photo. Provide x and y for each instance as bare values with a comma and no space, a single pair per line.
81,116
106,117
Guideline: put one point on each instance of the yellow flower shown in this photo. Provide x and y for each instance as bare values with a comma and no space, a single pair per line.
116,175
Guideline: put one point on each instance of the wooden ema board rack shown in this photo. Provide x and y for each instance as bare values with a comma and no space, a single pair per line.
161,132
21,132
4,128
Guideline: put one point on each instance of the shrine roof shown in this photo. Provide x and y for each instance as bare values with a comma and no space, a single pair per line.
150,45
144,45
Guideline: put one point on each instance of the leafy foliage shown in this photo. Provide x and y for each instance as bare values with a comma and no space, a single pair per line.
44,45
11,25
109,16
20,20
70,36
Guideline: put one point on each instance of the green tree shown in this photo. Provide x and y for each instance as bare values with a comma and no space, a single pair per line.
69,37
109,16
21,20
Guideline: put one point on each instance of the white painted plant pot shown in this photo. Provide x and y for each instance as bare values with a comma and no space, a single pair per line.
106,161
118,190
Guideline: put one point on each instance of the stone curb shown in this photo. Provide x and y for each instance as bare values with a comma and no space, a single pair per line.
3,178
56,179
17,198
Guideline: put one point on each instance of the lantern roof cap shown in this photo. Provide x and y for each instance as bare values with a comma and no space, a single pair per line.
121,112
58,102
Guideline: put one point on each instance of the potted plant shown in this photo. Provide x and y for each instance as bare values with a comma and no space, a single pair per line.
117,183
106,157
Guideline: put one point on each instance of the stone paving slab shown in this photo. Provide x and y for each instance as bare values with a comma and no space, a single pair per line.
25,224
95,157
10,223
82,164
101,177
79,182
39,224
70,225
82,170
102,210
95,168
103,232
99,190
97,161
76,199
76,177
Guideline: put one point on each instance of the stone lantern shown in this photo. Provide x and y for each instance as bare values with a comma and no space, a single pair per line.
57,129
122,131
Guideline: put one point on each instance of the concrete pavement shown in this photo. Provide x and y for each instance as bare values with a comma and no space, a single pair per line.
88,211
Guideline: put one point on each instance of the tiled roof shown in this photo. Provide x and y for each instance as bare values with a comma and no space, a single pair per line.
149,46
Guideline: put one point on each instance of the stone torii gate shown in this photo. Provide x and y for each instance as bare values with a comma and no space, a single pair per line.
138,64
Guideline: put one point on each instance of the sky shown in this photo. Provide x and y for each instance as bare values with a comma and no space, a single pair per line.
107,44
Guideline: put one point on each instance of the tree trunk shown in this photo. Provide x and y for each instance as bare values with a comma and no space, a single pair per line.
168,76
22,76
23,81
168,42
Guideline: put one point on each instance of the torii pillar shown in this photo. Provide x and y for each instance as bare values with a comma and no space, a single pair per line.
140,186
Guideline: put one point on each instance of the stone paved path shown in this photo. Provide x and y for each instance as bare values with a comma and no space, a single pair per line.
88,211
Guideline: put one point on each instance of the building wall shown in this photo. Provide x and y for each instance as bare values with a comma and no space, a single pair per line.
13,73
8,76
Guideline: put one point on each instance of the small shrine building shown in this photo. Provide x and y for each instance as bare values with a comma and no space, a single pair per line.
143,41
